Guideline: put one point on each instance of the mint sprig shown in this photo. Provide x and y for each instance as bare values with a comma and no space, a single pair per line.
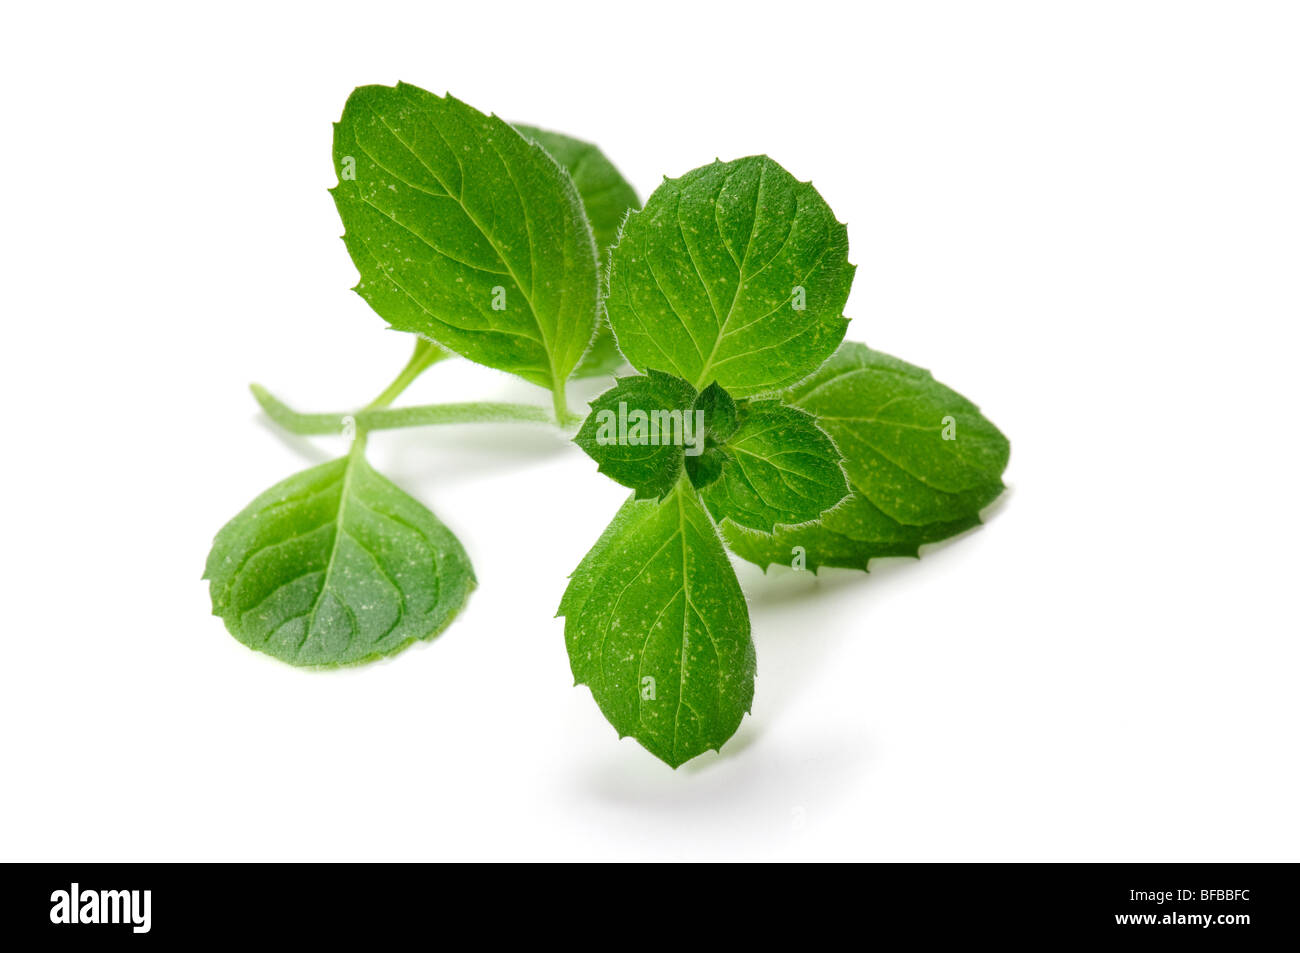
745,423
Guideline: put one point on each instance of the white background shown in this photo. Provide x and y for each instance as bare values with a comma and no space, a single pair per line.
1084,216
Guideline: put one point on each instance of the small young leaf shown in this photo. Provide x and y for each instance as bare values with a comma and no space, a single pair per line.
638,431
735,273
706,469
607,197
465,232
780,469
336,565
656,625
910,485
720,415
720,421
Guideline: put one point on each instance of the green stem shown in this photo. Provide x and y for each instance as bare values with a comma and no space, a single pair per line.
377,415
358,449
391,418
475,412
562,415
291,420
426,354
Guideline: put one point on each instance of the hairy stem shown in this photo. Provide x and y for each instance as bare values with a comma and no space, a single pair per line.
392,418
378,415
426,354
562,415
475,412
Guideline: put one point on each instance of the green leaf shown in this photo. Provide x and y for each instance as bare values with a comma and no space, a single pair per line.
735,273
780,469
720,414
720,421
656,625
603,358
861,533
465,232
336,565
607,197
910,485
639,430
918,450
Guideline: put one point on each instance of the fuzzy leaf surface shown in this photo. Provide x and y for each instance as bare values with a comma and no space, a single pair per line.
735,273
848,538
910,485
889,419
651,466
336,565
657,627
607,197
465,232
720,421
780,468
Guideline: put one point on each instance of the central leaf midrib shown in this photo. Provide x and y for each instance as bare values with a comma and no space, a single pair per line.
353,456
686,616
740,280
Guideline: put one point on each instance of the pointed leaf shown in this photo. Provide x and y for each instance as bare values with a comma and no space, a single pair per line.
720,421
720,414
910,485
465,232
336,565
916,449
735,272
656,625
